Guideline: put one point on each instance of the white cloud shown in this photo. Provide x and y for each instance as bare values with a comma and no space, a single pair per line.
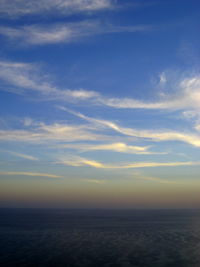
20,155
78,162
94,181
43,133
161,135
17,8
57,33
197,127
30,174
37,35
159,164
187,96
28,121
67,33
25,76
117,147
163,79
190,114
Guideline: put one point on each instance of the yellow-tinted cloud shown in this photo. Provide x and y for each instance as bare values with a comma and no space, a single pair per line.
117,147
78,162
20,155
162,135
94,181
54,132
30,174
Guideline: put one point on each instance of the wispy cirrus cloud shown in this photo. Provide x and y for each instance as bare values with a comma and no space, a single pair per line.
186,96
79,162
23,77
65,32
156,179
158,136
116,147
30,174
94,181
43,133
17,8
137,176
20,155
197,127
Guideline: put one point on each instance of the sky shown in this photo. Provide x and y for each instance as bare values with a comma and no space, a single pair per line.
99,103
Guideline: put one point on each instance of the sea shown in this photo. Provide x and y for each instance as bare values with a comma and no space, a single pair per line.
97,238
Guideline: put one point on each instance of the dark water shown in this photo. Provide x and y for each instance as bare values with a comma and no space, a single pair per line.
74,238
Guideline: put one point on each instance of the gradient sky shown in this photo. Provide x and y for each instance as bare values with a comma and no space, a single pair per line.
100,103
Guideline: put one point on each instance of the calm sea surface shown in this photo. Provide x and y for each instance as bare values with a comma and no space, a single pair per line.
74,238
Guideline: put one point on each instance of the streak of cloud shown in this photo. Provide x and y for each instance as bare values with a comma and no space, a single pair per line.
27,76
157,180
161,135
20,155
43,133
64,33
94,181
17,8
78,162
116,147
30,174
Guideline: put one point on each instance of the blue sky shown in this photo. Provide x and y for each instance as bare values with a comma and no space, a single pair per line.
100,103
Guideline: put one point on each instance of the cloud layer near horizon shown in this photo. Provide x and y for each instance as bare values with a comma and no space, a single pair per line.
30,174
